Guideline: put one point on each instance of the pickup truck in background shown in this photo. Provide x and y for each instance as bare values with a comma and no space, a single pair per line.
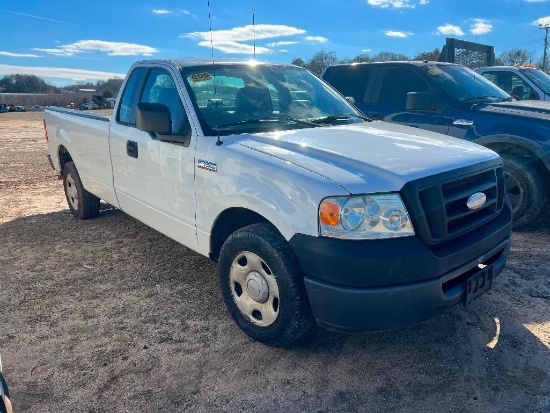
313,213
453,100
521,82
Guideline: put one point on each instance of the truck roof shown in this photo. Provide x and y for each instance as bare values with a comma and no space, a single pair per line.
201,61
507,68
402,62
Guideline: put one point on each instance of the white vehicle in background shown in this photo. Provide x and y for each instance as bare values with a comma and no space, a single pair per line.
313,212
522,82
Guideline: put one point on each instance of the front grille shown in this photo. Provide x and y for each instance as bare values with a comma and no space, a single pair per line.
441,207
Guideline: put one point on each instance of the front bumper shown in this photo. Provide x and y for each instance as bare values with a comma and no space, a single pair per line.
380,284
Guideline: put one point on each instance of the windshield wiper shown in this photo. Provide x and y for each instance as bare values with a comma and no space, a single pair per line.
482,98
342,117
277,119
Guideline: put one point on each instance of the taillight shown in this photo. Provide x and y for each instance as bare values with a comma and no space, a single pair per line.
45,130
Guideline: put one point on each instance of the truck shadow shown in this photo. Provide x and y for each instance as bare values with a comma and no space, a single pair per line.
109,308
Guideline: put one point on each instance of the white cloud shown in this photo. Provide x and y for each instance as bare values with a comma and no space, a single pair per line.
162,11
366,50
58,72
9,54
481,26
187,12
535,1
111,48
316,39
277,44
394,4
449,29
542,21
423,2
394,33
230,41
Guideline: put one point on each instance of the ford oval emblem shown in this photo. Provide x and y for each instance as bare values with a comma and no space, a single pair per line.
476,201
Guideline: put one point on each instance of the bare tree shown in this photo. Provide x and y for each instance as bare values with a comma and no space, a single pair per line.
320,61
432,56
510,57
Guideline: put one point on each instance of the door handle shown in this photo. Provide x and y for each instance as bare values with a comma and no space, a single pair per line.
132,149
376,116
463,122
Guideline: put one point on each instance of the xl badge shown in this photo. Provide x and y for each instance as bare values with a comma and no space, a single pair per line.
476,201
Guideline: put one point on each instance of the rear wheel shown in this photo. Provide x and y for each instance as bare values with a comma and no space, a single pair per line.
525,188
83,204
262,286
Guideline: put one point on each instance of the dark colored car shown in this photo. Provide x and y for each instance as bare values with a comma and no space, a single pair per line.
453,100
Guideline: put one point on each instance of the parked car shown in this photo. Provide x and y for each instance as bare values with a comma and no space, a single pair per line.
3,108
522,82
18,109
88,106
453,100
37,108
313,213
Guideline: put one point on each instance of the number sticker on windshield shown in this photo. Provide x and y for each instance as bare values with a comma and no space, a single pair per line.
200,77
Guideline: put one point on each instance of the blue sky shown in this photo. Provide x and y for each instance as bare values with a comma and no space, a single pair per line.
66,41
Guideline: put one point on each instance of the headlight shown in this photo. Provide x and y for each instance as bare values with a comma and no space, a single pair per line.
364,217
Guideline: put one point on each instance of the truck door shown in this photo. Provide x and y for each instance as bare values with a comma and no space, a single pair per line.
355,81
160,174
401,95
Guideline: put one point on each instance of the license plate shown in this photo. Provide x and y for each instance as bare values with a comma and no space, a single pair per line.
478,284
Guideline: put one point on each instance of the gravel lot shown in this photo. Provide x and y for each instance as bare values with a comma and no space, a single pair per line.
109,315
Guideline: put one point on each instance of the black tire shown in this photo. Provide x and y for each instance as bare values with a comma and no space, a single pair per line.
83,204
525,188
252,254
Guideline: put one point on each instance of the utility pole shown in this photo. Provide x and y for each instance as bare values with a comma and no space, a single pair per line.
545,27
254,30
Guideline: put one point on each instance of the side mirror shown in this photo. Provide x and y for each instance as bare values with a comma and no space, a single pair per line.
153,118
350,99
422,101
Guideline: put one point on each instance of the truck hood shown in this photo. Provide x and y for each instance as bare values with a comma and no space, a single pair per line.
523,108
370,157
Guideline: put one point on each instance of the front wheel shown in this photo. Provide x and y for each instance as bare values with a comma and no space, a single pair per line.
262,286
82,204
525,188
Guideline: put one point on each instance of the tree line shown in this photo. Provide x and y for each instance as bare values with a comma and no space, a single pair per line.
34,84
321,60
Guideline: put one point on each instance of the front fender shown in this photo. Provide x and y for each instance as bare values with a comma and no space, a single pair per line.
520,142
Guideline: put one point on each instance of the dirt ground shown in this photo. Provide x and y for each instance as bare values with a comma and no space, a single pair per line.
109,315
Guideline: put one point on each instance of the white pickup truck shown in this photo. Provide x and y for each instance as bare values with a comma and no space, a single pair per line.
314,213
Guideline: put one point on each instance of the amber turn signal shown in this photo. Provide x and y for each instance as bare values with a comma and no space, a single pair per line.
329,213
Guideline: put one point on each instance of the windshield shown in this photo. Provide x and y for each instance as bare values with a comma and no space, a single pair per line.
465,85
237,98
541,79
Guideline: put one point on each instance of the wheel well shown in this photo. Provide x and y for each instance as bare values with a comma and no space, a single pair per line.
227,223
531,158
64,157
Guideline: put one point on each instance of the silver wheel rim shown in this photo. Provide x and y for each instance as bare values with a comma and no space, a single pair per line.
514,191
72,192
254,289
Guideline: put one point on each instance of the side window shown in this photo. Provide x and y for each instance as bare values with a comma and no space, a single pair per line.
520,88
160,88
501,79
397,83
127,109
351,81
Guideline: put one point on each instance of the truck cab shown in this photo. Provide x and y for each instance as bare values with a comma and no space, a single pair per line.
524,82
